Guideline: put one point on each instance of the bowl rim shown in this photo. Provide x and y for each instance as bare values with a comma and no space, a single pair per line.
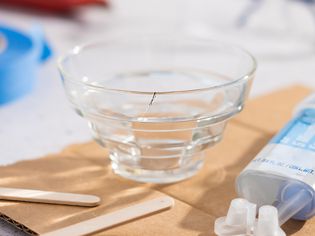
79,48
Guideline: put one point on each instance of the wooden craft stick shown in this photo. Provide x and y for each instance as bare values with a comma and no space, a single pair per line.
29,195
114,218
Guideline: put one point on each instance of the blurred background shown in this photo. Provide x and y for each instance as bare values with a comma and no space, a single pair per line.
279,33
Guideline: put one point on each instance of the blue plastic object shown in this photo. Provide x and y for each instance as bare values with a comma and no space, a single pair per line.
283,173
19,61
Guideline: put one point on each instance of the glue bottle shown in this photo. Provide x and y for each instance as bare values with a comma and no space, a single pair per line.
283,173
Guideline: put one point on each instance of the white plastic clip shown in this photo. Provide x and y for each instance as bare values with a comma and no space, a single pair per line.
241,220
268,222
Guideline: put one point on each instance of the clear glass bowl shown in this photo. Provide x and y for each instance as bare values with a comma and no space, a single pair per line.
157,102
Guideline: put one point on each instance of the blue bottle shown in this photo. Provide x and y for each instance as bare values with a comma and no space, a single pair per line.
283,173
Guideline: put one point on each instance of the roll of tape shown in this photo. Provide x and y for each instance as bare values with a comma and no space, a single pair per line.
20,58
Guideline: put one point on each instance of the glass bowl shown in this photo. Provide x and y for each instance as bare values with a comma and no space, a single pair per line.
157,102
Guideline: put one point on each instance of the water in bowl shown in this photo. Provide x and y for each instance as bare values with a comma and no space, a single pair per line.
160,135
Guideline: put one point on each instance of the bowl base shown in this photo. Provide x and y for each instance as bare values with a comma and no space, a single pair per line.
157,176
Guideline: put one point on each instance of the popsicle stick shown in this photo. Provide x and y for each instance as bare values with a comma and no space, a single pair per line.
114,218
29,195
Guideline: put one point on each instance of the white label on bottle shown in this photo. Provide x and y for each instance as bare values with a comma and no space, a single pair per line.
291,153
286,161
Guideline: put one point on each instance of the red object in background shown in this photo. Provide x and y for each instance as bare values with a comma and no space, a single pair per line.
53,5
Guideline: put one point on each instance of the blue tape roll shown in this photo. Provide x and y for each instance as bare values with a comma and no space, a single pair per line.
19,61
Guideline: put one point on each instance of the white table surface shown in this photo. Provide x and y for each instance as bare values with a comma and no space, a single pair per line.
42,122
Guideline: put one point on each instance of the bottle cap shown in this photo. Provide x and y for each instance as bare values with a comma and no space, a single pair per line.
268,222
241,220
